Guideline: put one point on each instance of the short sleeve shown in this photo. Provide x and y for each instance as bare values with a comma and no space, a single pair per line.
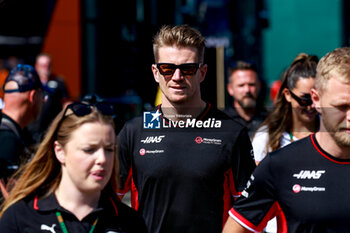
259,145
257,204
243,163
124,155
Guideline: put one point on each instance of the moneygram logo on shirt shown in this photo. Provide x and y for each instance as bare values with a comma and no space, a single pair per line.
153,120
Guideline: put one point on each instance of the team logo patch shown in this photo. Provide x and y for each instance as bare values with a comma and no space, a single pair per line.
142,151
307,174
296,188
214,141
199,140
153,139
44,227
151,120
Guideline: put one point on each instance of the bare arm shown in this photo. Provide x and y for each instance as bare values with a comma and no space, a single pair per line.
231,226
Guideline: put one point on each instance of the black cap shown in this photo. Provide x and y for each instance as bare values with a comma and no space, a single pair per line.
25,76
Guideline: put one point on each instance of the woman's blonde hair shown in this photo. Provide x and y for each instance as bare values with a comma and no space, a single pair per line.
41,176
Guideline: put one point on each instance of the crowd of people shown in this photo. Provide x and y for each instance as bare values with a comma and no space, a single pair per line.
188,166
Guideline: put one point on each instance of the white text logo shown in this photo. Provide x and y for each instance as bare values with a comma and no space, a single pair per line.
47,228
306,174
153,139
298,188
193,123
215,141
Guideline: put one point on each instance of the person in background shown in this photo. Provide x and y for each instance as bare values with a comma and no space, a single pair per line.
3,75
307,179
293,116
70,184
244,86
23,96
56,96
183,178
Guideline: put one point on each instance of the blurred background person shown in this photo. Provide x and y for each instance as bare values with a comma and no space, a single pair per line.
244,86
3,74
71,182
56,96
293,116
23,100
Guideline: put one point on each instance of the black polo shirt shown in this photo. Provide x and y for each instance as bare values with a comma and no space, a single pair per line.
15,147
39,215
253,124
308,184
183,175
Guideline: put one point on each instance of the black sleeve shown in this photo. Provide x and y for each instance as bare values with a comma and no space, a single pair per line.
11,147
124,154
132,220
258,199
243,160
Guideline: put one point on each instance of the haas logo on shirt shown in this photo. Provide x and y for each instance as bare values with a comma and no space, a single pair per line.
153,139
307,174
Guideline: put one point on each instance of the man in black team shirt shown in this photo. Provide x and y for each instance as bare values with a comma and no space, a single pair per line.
186,160
309,179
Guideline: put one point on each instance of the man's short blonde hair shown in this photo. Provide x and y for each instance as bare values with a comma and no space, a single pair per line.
179,36
335,64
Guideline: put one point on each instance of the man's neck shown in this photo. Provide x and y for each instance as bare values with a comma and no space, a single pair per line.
246,113
176,112
327,143
16,116
301,130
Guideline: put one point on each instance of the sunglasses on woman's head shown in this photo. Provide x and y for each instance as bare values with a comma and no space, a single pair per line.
302,101
81,109
168,69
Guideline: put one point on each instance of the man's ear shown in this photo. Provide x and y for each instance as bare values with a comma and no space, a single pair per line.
230,89
32,95
59,152
315,96
203,71
155,73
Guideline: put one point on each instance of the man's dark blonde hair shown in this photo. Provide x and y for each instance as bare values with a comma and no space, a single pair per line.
179,36
335,64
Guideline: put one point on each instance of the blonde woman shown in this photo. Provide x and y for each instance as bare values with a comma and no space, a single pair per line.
70,184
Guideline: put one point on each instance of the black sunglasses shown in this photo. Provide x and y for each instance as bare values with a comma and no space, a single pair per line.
81,109
168,69
302,101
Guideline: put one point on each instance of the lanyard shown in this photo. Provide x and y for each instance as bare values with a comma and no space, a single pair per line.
291,137
64,228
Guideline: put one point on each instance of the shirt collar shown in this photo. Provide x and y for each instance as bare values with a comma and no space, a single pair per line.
50,203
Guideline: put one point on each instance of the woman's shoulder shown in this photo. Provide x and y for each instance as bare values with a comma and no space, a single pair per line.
261,133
